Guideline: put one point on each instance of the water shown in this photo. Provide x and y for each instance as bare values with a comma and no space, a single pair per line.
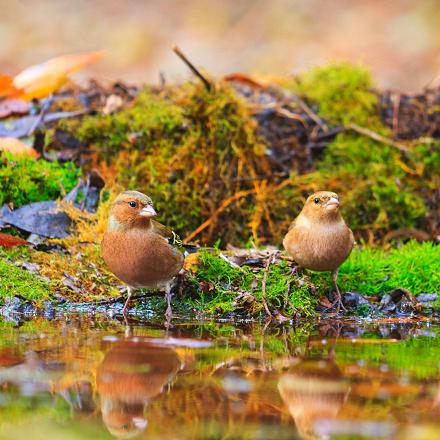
84,378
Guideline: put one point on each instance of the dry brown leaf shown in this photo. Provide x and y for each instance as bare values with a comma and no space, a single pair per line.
10,240
41,80
16,146
13,106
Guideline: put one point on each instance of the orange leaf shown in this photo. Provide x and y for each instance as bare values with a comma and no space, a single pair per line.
10,241
244,79
42,79
17,147
7,87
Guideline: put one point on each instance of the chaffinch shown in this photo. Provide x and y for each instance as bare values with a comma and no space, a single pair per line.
138,250
318,239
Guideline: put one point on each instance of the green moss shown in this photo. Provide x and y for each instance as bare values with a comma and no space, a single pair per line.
150,123
222,288
380,186
414,266
187,148
343,92
193,151
377,192
25,180
17,281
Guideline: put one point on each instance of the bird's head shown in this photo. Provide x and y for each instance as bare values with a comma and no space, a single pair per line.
131,208
322,205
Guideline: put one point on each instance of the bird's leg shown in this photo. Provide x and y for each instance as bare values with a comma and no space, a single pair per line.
129,293
338,302
169,312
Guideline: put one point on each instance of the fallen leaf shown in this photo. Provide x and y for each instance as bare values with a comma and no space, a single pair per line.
10,240
17,147
10,107
20,127
41,80
244,79
324,302
42,218
7,87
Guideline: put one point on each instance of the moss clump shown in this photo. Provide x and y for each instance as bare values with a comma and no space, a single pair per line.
414,266
25,180
17,281
222,288
343,93
149,125
193,151
218,287
378,191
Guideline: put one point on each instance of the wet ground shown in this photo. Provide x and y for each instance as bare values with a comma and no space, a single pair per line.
81,377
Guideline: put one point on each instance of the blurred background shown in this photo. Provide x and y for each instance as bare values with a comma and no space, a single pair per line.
398,39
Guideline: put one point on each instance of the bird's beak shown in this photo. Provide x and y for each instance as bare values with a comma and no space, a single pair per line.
332,204
148,211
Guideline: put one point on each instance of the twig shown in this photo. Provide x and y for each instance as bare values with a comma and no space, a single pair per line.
231,263
410,296
309,111
220,209
44,108
377,137
263,284
194,70
290,115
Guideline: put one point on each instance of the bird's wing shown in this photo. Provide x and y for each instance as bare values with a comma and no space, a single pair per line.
167,233
292,225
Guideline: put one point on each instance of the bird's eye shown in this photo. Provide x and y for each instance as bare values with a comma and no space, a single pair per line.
316,200
133,204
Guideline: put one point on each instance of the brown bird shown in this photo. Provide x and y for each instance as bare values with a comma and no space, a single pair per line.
138,250
318,239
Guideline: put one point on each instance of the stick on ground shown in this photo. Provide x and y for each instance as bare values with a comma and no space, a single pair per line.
193,68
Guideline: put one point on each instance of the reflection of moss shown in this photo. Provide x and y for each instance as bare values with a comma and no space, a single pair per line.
413,356
25,180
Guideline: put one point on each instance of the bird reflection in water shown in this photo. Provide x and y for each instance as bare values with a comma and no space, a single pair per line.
314,392
129,377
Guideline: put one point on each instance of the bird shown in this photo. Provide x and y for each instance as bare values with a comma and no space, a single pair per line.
319,239
138,250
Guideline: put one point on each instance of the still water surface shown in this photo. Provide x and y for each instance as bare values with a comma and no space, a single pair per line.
82,378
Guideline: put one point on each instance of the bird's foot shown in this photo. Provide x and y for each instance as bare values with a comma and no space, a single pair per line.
169,313
338,305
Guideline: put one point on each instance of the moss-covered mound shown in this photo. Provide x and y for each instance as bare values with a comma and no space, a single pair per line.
214,171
